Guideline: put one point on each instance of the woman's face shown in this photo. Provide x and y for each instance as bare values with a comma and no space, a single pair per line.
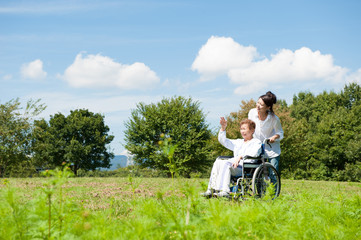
261,106
246,133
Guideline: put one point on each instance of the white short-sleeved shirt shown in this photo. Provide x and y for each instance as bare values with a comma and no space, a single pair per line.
266,129
239,147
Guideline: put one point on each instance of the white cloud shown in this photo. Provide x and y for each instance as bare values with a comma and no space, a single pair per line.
219,55
33,70
94,71
126,153
64,102
355,77
285,66
224,56
251,87
7,77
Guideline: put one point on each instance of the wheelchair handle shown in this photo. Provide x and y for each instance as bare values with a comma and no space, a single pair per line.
267,141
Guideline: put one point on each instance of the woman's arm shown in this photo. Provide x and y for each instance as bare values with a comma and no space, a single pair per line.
236,161
273,138
278,130
227,143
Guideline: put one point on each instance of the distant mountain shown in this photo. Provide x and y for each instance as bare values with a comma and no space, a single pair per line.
117,162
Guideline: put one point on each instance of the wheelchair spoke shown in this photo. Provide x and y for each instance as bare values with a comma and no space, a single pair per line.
266,178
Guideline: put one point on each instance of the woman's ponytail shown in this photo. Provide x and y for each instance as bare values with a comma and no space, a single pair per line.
269,99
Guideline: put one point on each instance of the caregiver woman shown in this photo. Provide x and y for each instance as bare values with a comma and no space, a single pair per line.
268,125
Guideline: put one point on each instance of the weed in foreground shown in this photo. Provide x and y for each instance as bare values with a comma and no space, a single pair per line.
331,212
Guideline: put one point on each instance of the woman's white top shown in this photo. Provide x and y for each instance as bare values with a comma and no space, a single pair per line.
266,129
239,147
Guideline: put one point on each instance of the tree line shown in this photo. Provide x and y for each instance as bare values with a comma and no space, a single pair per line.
322,134
322,137
27,144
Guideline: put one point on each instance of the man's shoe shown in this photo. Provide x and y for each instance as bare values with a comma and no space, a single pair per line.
207,193
222,194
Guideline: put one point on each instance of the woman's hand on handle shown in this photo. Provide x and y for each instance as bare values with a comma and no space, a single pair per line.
223,123
273,138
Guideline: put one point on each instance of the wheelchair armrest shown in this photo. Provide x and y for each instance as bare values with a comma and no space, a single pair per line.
253,160
249,157
224,157
246,159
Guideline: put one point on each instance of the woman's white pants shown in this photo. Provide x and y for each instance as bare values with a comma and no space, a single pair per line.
222,171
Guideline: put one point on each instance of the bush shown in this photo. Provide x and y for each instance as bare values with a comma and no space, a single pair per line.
351,173
133,170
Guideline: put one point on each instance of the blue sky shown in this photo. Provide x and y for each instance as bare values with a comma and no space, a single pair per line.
107,56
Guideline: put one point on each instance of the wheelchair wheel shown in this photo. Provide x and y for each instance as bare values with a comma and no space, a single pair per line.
266,178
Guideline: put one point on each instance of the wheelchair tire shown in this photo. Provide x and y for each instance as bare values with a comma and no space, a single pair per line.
263,177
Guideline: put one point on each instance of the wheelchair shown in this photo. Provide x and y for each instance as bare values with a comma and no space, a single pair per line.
258,178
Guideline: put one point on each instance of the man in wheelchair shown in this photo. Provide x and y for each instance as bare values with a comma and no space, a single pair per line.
222,170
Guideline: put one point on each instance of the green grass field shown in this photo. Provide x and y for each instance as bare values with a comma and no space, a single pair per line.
159,208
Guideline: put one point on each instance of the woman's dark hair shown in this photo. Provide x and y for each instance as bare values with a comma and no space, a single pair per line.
269,99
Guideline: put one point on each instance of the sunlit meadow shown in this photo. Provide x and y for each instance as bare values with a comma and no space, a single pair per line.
63,207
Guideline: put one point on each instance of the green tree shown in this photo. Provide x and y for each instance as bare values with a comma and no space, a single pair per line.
326,129
80,139
351,95
16,125
178,119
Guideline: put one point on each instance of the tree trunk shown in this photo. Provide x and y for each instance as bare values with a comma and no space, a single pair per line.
75,169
